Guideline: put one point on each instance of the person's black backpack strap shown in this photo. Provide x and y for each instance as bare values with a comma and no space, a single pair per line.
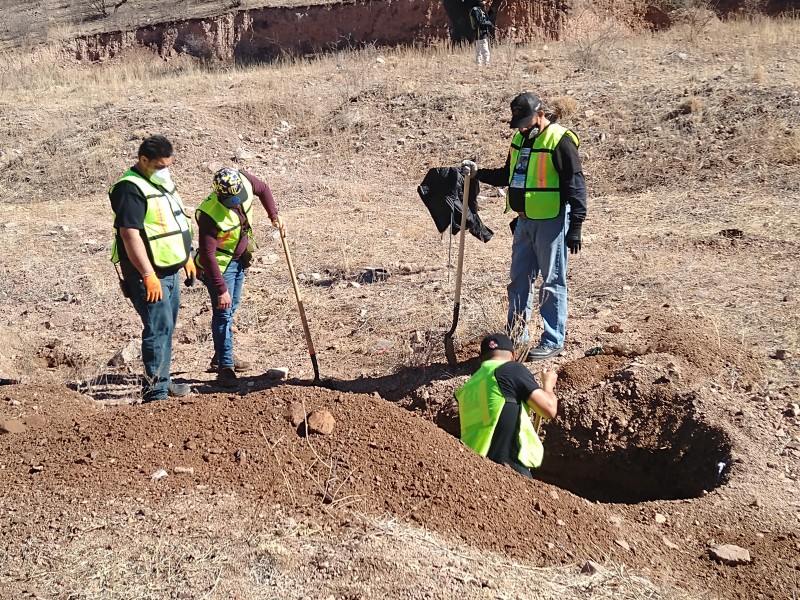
475,17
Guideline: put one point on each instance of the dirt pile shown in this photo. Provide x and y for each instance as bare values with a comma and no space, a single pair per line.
629,429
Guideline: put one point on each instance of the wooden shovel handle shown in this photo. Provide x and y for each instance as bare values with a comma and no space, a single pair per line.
301,309
464,209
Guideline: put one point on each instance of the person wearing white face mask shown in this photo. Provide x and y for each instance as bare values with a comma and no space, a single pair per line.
153,242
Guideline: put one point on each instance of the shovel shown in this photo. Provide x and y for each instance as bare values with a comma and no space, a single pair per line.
302,310
537,423
449,347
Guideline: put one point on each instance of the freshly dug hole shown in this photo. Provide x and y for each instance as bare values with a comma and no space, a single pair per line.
631,435
628,429
681,460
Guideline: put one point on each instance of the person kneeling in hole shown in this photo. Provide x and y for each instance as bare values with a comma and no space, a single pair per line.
494,407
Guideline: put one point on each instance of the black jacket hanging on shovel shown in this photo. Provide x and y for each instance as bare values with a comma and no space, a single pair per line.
442,193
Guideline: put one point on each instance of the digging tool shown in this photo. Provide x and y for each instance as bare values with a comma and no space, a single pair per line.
449,347
302,310
537,423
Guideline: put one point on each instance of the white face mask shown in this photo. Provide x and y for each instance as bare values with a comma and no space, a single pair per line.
162,178
533,132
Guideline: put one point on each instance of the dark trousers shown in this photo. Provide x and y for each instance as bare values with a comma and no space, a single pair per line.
505,441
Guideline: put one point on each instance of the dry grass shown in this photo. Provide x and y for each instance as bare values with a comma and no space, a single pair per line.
354,132
258,552
678,145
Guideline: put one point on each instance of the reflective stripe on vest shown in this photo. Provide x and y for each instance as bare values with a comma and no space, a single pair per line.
165,222
480,402
542,185
229,227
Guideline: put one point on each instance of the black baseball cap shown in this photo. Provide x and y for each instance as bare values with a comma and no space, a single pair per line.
496,341
523,108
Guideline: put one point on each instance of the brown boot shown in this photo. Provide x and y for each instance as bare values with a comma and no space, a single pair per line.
238,364
227,378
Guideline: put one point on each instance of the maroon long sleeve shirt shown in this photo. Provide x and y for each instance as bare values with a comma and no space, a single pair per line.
208,233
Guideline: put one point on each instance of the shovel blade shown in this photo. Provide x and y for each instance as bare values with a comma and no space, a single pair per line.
450,351
449,345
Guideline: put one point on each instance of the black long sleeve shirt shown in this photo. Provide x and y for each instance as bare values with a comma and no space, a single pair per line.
570,173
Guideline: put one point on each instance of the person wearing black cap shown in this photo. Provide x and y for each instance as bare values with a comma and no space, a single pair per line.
494,407
547,191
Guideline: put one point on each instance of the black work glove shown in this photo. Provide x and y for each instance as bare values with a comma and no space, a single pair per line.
573,239
513,225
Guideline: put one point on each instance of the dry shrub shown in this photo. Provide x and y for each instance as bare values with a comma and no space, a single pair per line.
787,151
198,46
695,16
759,76
563,106
594,37
692,105
752,8
98,8
536,67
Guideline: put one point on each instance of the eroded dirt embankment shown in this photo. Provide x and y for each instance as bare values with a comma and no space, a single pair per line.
288,29
267,33
272,28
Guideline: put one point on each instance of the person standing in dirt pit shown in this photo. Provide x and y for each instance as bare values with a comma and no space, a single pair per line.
483,25
225,220
547,191
494,407
153,242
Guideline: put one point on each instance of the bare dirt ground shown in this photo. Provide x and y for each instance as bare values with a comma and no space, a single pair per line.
681,436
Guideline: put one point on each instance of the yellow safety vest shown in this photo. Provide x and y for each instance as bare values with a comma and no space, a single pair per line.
542,185
165,222
480,402
229,227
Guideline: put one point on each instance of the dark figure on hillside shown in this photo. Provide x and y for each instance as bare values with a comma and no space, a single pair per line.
483,24
547,191
494,407
225,219
153,243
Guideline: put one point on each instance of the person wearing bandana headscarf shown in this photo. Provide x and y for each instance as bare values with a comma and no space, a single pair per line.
225,221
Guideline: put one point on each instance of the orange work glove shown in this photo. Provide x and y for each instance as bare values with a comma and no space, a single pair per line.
153,287
191,269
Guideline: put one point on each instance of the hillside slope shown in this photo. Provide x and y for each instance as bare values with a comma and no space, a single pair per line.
392,21
681,435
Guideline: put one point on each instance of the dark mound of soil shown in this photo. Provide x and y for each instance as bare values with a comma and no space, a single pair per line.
633,435
629,429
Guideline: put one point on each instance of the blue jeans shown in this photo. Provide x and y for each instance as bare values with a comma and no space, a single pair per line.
222,319
159,320
538,250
